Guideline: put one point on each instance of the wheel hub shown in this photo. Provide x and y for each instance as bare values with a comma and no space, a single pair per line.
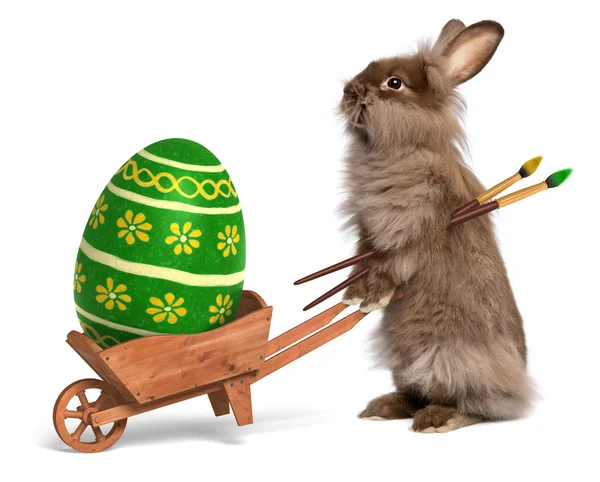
87,415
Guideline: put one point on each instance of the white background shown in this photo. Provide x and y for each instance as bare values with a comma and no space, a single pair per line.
84,86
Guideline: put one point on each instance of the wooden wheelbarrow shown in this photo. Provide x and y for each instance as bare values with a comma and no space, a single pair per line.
151,372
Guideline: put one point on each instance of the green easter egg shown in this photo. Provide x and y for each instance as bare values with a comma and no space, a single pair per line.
164,249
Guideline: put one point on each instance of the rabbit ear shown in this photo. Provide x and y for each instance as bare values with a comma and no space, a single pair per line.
471,50
448,33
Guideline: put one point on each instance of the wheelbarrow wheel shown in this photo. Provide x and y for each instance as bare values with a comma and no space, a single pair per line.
101,440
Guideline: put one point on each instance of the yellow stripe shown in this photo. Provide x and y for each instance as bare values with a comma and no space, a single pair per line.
172,205
115,326
180,165
169,274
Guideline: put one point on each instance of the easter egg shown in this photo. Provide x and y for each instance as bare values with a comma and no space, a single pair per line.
164,248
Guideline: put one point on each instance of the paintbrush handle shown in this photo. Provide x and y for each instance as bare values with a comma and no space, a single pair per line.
336,267
498,188
338,288
474,213
467,207
489,194
522,194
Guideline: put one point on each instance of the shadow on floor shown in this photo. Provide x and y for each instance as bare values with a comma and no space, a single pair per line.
223,430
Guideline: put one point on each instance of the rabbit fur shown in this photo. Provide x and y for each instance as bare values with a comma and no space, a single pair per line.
455,343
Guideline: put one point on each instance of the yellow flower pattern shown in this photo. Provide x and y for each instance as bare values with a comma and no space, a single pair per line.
222,309
111,295
131,224
169,309
184,238
97,216
229,239
78,278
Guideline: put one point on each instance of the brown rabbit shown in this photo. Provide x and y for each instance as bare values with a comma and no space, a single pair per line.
455,342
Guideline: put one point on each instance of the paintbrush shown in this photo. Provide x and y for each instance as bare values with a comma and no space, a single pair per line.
338,288
526,170
336,267
553,180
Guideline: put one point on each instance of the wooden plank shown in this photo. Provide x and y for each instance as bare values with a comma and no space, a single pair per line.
92,354
219,402
134,408
310,326
238,392
159,366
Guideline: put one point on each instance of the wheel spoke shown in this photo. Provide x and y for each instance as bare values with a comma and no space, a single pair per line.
83,399
78,393
79,431
98,433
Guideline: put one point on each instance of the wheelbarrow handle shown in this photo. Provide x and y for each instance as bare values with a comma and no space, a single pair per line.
315,340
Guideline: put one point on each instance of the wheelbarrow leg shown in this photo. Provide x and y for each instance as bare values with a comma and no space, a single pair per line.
219,402
238,392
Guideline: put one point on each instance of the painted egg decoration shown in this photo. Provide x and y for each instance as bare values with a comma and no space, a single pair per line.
164,249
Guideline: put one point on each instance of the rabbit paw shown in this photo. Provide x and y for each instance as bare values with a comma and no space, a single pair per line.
355,293
370,304
375,299
440,419
380,290
387,407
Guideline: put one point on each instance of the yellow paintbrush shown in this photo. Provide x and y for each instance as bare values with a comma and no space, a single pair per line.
526,170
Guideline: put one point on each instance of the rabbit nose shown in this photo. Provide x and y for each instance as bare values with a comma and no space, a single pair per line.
354,89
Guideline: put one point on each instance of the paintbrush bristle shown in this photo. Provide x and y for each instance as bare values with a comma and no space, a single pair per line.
557,178
530,166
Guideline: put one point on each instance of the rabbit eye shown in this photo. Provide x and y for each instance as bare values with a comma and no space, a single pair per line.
394,83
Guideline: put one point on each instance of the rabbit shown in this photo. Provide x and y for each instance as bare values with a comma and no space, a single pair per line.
454,343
